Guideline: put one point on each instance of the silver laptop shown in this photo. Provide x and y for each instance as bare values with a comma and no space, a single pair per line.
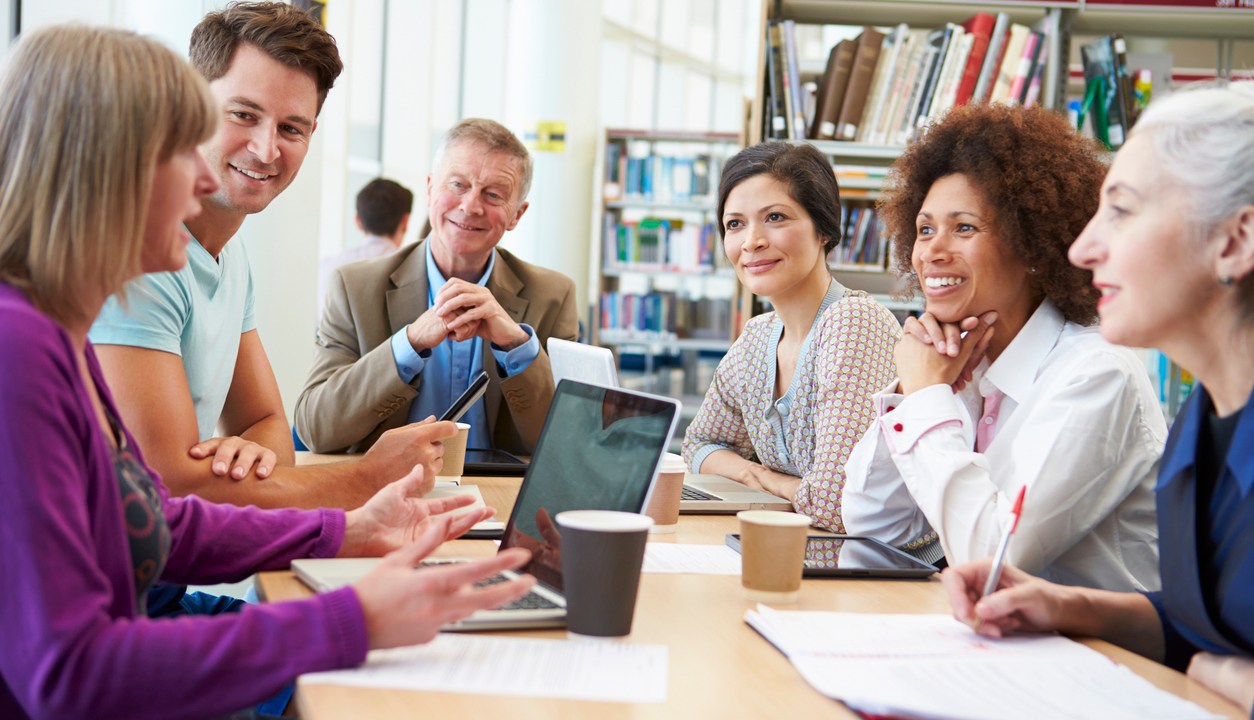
717,495
600,449
703,494
585,363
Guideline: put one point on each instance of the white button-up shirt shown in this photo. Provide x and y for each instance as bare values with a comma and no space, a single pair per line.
1079,425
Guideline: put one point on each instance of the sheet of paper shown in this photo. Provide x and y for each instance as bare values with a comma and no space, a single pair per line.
932,666
696,559
606,671
445,488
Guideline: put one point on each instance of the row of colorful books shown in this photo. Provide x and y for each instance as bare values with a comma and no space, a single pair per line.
882,88
666,244
624,315
862,240
654,172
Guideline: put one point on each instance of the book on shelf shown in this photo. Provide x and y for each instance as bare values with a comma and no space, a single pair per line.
865,58
831,90
776,111
1032,96
1027,63
862,243
992,58
1015,40
661,244
797,120
895,43
951,74
640,170
884,87
980,29
662,316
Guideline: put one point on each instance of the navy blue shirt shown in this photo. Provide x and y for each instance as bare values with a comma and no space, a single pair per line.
1206,537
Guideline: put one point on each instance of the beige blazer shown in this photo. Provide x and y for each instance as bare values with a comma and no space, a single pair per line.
354,393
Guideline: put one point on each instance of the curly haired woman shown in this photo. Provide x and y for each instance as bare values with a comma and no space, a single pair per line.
1005,382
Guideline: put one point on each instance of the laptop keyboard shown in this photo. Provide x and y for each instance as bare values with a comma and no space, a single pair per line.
530,601
691,493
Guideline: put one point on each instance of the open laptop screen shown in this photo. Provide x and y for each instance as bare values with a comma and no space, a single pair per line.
599,450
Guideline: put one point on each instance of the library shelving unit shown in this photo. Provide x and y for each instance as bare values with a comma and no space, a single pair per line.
659,268
861,168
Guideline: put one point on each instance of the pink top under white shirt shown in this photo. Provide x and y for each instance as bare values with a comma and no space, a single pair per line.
1079,424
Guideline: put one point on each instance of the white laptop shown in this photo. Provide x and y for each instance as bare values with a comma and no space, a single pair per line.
703,494
585,363
600,449
717,495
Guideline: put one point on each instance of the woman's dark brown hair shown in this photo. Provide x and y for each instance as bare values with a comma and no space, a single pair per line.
806,173
1040,176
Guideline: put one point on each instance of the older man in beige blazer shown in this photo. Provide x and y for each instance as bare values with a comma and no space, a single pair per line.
400,335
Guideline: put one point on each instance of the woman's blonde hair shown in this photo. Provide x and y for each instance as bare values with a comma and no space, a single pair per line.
86,114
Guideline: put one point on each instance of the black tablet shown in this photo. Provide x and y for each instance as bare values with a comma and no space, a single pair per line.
851,556
492,462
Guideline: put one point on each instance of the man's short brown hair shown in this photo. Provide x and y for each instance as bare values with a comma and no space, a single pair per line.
286,33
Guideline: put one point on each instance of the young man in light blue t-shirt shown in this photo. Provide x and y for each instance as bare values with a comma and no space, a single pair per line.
181,353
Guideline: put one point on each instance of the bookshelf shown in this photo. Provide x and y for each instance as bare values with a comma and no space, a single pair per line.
663,283
801,41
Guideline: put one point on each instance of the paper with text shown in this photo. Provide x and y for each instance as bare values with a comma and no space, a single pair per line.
932,666
696,559
606,671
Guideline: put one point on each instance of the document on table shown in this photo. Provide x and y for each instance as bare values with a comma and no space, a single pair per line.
605,671
696,559
932,666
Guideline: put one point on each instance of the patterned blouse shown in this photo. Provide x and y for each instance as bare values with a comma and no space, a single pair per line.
809,431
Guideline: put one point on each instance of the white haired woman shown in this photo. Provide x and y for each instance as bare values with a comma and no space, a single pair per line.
1172,253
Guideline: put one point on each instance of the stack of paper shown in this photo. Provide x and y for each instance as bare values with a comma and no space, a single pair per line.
491,665
932,666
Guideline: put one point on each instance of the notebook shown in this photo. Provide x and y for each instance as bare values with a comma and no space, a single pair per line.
599,450
586,363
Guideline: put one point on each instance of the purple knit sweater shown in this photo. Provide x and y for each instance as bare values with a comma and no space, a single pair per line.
70,642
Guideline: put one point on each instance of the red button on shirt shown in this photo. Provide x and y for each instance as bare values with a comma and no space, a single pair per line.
898,427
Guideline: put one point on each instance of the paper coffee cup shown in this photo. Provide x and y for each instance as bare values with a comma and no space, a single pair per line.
668,490
455,453
602,552
772,554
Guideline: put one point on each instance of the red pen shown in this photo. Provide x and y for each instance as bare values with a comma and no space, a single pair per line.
999,560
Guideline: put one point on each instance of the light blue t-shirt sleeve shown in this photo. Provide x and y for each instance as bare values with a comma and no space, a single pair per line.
408,362
520,358
156,311
250,313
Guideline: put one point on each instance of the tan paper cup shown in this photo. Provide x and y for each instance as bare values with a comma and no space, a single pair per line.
772,552
455,453
667,492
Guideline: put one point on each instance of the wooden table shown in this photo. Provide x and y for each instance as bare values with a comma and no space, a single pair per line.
718,666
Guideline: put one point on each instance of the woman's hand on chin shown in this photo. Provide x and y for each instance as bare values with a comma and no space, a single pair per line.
932,352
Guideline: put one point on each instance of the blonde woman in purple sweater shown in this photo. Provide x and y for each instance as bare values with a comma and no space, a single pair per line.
98,171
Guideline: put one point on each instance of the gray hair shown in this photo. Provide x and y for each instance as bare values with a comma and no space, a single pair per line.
1204,140
493,137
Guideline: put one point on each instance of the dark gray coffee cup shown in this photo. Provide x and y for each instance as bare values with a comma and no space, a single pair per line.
602,552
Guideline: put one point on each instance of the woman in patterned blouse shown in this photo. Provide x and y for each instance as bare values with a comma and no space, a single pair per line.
793,394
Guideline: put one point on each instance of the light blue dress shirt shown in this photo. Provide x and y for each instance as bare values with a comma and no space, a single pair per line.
447,368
